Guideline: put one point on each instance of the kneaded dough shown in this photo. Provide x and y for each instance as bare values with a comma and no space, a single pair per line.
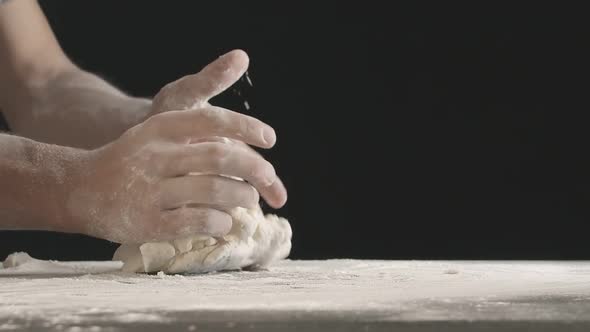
17,259
254,241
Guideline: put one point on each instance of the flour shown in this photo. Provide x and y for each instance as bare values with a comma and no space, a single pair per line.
294,291
21,264
255,241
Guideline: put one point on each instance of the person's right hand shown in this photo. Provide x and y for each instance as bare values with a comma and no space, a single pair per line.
155,183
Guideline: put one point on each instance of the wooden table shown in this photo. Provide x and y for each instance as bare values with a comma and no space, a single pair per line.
333,295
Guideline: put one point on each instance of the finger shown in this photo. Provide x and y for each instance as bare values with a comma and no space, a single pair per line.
196,90
186,126
213,190
187,221
222,159
217,139
275,195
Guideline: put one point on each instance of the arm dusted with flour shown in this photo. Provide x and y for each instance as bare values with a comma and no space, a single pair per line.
157,171
30,175
160,180
45,96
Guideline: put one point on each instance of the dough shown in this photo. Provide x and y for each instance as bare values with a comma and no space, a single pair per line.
21,264
254,241
17,259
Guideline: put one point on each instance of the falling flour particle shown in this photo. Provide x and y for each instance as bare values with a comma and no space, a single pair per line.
247,105
247,76
254,241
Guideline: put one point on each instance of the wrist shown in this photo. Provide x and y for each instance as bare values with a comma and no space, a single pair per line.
41,182
63,168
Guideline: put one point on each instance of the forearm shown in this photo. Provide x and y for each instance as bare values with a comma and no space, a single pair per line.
45,96
75,108
33,179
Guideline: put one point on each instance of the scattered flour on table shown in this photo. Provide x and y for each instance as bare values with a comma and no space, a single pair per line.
400,289
20,263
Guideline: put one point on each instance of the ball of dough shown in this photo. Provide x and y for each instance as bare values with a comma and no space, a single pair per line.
254,241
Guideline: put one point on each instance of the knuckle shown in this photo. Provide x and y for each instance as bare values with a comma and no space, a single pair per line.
211,115
154,122
213,186
254,196
264,172
151,156
167,89
216,155
217,151
162,98
250,126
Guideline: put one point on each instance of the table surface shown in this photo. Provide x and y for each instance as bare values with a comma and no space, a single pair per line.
313,295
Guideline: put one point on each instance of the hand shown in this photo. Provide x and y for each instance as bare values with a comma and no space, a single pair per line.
194,91
141,187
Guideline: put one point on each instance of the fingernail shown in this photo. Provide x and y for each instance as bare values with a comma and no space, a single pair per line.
269,137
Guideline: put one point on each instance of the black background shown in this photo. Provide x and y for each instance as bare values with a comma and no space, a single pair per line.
418,131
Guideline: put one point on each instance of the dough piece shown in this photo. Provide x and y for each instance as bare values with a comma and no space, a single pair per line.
17,259
255,241
21,264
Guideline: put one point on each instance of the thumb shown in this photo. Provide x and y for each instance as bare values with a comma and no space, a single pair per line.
194,90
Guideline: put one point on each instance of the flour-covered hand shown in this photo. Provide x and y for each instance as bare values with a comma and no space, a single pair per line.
165,178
